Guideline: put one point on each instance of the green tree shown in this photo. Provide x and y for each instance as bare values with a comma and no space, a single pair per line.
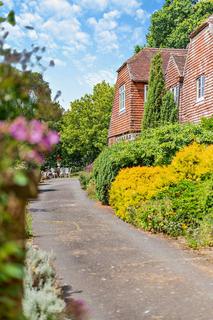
26,93
85,127
14,97
169,109
173,23
156,91
138,48
47,110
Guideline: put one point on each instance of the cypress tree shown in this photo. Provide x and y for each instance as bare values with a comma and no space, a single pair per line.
156,91
169,110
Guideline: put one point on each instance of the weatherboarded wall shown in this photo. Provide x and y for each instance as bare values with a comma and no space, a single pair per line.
199,62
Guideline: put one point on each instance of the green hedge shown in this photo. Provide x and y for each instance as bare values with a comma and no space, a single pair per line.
155,147
179,210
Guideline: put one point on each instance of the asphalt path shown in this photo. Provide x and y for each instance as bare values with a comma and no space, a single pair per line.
123,273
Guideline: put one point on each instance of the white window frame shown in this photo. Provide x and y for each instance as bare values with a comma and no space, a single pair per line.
175,92
200,84
146,87
122,98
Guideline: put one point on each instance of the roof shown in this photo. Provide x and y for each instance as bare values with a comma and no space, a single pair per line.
139,64
180,61
205,24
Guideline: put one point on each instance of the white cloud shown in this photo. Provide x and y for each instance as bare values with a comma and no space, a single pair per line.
9,3
105,31
125,6
61,8
96,77
94,4
138,35
55,23
142,15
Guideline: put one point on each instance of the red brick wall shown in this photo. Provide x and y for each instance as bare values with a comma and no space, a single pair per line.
199,61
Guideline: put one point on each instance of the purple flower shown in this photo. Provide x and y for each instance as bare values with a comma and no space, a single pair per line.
18,129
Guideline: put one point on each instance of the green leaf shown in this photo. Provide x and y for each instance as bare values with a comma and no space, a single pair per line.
11,18
12,270
2,19
21,179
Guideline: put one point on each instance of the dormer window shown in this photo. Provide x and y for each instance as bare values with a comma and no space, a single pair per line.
200,88
122,98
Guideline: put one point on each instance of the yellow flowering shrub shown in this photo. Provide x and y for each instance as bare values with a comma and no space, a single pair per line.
193,161
134,186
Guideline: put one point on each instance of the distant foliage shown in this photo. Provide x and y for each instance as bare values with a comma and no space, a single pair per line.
84,128
169,109
84,179
156,91
174,199
138,48
155,147
173,23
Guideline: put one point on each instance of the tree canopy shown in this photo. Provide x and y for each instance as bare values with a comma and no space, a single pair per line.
85,127
47,110
26,93
173,23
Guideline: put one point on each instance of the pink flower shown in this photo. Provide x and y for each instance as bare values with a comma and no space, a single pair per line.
53,137
34,156
36,132
18,129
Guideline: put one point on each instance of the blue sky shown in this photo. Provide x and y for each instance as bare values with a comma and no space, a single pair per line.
88,39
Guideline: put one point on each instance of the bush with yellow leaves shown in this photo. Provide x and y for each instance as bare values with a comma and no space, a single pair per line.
134,189
133,186
193,161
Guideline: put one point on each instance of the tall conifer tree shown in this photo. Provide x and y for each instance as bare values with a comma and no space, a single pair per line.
169,110
156,91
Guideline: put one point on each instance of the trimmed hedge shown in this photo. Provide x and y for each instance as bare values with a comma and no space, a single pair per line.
155,147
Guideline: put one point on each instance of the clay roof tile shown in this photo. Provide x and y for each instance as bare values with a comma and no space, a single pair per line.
139,64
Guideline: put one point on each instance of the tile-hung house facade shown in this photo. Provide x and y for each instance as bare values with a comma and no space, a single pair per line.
188,74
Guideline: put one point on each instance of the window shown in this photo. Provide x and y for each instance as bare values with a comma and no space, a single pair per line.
122,98
200,88
145,92
175,92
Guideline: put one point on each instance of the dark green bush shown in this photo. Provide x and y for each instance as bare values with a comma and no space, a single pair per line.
84,179
182,209
154,147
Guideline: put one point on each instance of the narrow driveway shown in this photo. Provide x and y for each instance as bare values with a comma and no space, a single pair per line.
124,273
